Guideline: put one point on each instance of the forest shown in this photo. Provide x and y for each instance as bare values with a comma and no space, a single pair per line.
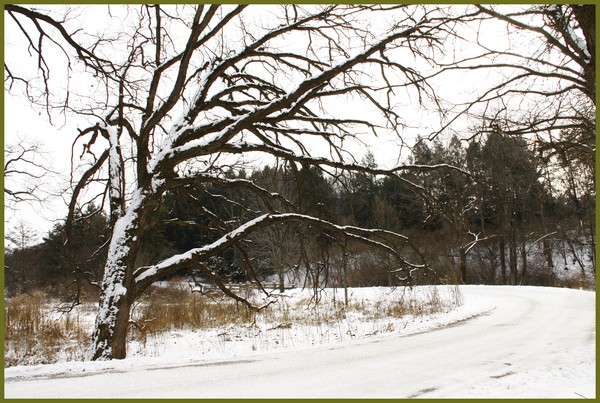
497,211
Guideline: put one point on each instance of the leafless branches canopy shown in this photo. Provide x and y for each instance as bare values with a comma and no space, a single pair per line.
25,170
543,71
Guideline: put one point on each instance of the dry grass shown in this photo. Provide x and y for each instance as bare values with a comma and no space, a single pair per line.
33,335
577,282
175,308
403,303
36,334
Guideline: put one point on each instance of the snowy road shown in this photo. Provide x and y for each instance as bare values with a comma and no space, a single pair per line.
537,342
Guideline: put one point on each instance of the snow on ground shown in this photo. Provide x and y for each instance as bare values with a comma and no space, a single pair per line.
519,342
573,375
265,336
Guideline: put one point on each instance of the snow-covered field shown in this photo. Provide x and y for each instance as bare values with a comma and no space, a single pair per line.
321,324
517,342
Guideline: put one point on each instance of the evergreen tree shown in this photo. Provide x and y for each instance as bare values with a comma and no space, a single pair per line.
509,195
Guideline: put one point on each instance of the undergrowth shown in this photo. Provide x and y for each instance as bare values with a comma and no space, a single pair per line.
35,333
177,308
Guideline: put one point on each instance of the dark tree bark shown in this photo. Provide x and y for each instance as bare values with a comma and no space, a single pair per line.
502,251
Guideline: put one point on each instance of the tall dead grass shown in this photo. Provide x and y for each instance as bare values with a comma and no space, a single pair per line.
37,334
177,308
33,335
403,302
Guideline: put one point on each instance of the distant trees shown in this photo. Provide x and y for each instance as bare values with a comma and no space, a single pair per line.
21,235
511,196
493,196
542,91
66,269
493,203
276,247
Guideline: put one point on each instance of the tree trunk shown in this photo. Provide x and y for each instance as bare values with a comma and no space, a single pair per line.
512,256
281,275
109,339
524,260
463,265
112,325
548,253
502,248
592,248
345,275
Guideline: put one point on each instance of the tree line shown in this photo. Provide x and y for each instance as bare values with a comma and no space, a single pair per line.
490,213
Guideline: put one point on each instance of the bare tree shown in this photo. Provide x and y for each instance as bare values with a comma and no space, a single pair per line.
543,61
558,76
181,92
26,170
21,235
540,68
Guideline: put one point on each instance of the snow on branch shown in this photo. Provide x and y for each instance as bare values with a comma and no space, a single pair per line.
282,152
194,257
197,140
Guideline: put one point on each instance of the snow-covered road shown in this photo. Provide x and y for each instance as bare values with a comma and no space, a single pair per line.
537,342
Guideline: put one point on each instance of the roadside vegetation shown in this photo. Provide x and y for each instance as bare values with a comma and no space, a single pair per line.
35,333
